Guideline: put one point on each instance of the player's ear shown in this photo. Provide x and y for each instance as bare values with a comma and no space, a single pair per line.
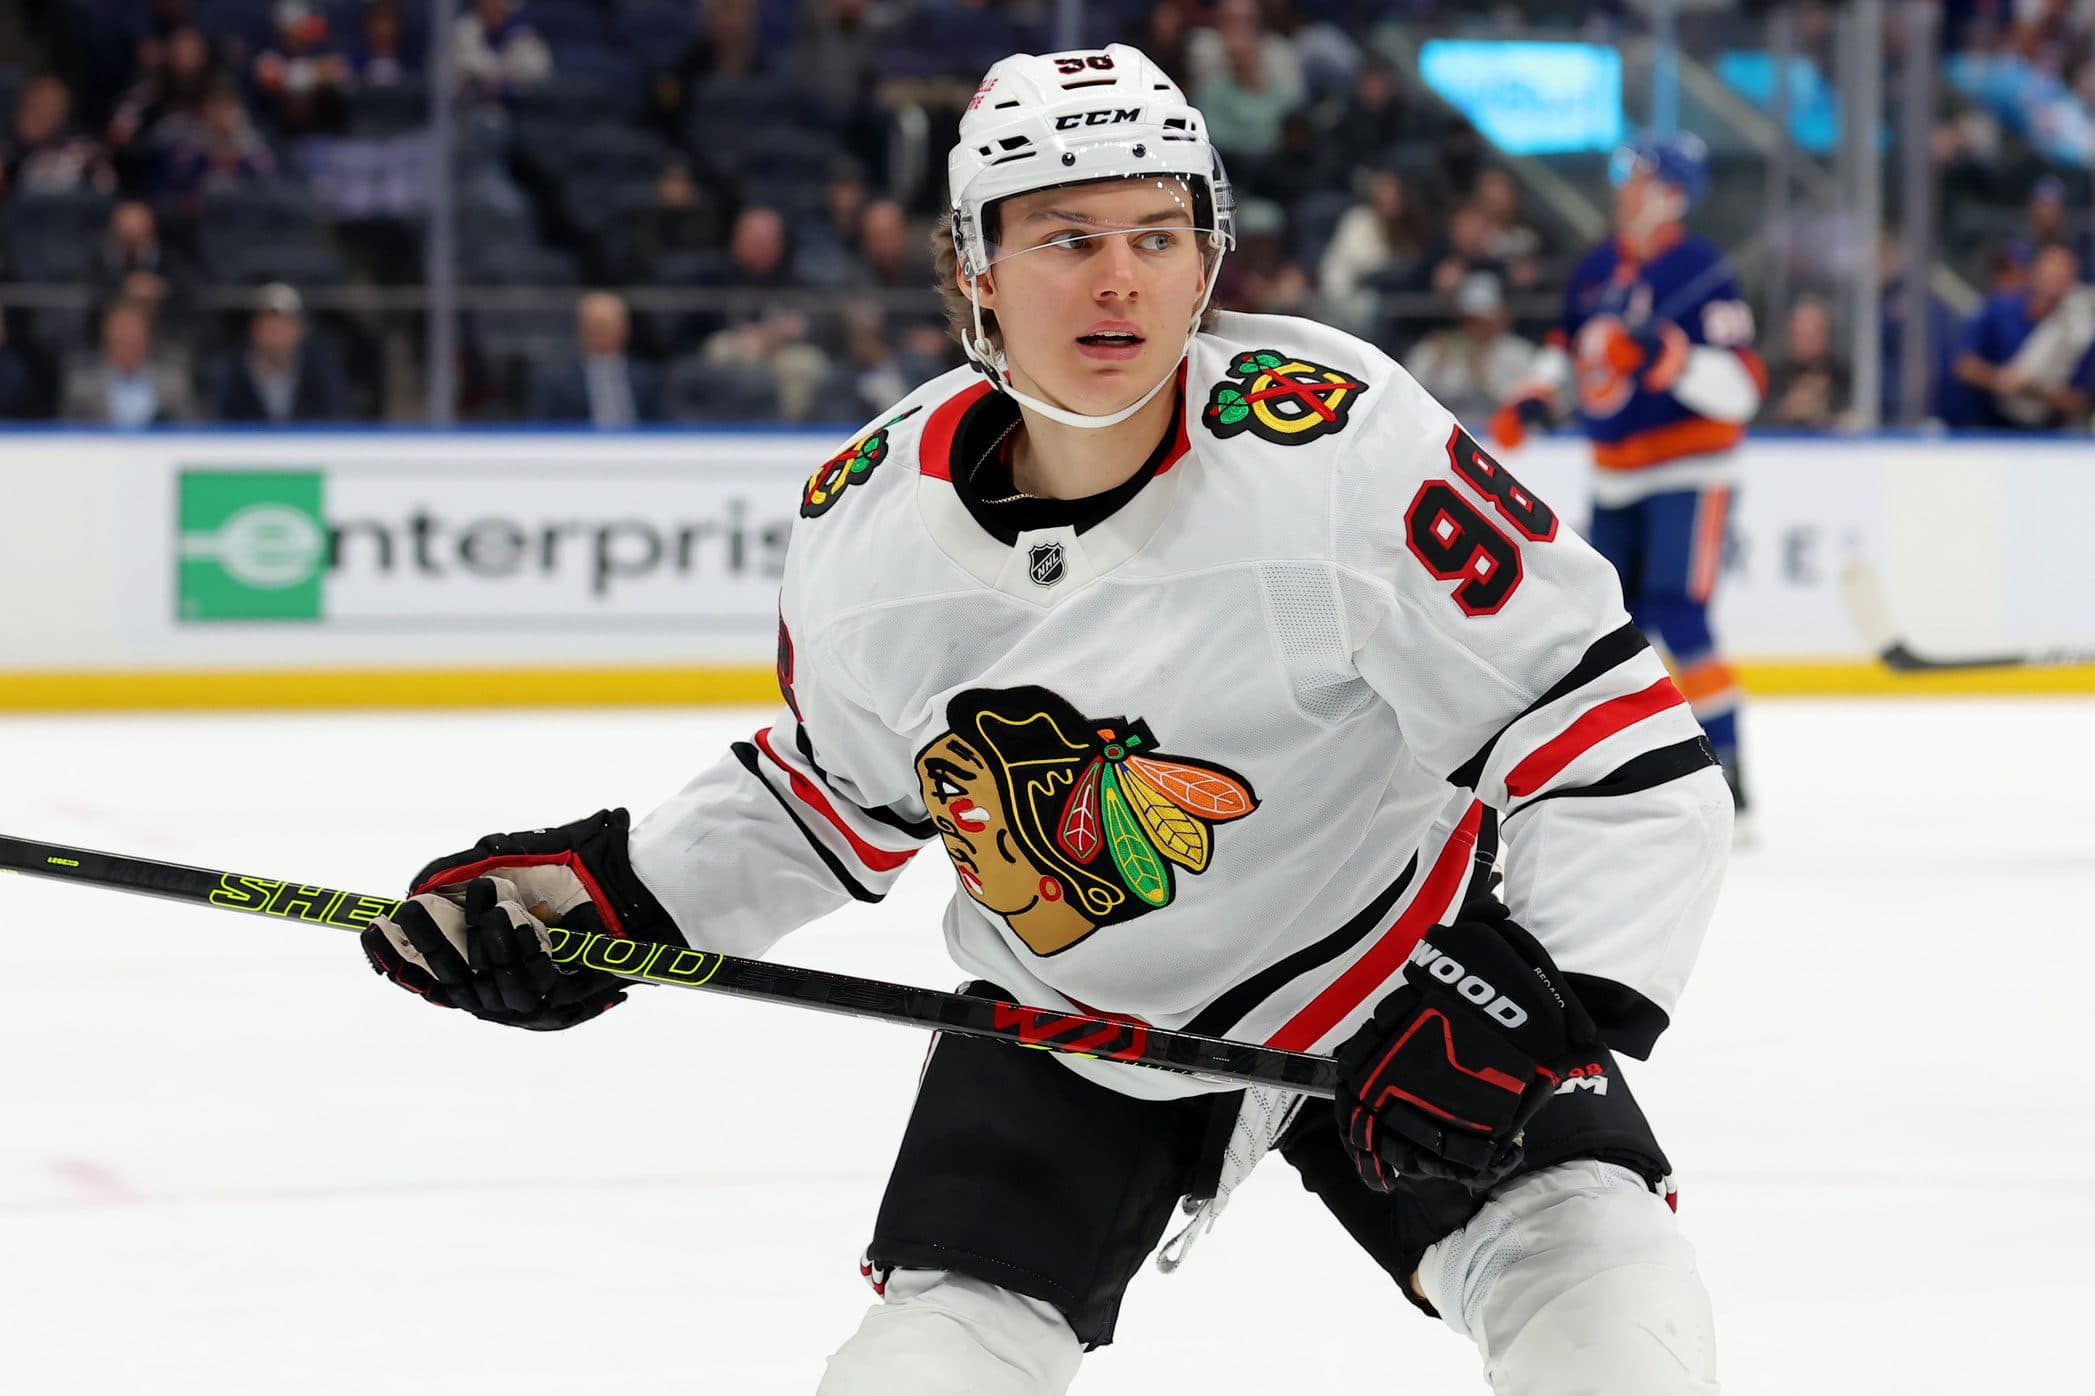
983,288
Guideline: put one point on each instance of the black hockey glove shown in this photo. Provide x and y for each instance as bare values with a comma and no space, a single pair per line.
1441,1082
472,935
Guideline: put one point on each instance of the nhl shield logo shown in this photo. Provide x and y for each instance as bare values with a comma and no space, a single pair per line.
1044,564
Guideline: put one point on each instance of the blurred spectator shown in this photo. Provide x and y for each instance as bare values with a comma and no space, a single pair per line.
1382,232
836,61
1258,276
1323,50
215,149
726,46
380,57
682,218
1246,83
493,51
284,375
1376,120
131,383
1476,363
759,337
2008,268
132,246
1168,40
883,364
1512,243
133,263
17,383
1807,385
2046,218
301,80
2031,354
1463,247
43,153
836,50
890,256
173,84
602,385
844,195
760,256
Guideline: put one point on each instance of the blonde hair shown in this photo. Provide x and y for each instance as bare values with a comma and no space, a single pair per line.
960,311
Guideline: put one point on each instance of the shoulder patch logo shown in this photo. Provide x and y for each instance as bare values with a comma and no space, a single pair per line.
1285,400
847,468
1061,823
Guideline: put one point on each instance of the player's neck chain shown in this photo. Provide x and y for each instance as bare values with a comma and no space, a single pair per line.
994,447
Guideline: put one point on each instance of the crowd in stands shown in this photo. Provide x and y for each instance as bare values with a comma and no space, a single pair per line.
227,175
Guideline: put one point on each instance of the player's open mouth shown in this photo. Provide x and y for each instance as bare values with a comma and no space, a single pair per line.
1111,342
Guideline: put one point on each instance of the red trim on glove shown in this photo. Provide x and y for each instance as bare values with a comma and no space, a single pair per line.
494,863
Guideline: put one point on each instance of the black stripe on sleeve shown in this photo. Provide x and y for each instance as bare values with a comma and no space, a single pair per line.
918,829
1226,1012
1641,772
746,753
1603,654
1628,1022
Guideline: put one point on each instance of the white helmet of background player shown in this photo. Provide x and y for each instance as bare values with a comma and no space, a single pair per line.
1046,121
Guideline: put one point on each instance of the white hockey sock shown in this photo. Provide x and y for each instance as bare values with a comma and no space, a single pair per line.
935,1333
1576,1281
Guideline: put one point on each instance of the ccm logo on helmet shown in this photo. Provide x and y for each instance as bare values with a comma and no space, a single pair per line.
1109,117
1450,972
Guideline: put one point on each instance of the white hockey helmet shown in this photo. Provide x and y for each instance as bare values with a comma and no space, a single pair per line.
1045,121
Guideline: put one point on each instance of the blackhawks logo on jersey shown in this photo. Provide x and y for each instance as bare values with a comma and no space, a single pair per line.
847,468
1287,401
1061,823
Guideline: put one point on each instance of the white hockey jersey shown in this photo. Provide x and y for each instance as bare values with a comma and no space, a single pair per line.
1218,760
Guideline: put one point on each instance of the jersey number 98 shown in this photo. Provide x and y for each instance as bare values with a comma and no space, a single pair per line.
1456,541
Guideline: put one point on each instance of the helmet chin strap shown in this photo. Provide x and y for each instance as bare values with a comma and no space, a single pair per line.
987,354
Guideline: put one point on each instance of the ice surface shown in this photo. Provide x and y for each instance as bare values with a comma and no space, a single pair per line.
233,1162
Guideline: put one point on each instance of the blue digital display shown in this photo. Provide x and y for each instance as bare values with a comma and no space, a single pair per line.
1531,98
1814,105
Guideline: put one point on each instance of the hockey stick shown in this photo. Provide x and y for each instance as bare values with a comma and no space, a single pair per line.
1054,1030
1862,590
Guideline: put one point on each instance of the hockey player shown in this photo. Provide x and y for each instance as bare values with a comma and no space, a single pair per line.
1212,653
1659,349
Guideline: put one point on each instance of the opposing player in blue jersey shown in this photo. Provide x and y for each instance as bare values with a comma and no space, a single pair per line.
1659,348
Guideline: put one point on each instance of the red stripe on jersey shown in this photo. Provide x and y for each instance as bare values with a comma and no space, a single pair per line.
1180,444
935,451
877,859
1372,970
1593,726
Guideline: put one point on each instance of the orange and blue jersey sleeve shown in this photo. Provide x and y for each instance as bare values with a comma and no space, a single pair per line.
1709,378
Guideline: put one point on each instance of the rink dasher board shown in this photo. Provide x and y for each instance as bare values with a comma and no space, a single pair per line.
409,568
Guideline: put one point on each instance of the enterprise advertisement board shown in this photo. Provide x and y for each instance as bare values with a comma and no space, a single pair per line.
351,568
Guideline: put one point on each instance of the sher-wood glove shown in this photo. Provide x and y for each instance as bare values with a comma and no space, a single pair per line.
1455,1063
